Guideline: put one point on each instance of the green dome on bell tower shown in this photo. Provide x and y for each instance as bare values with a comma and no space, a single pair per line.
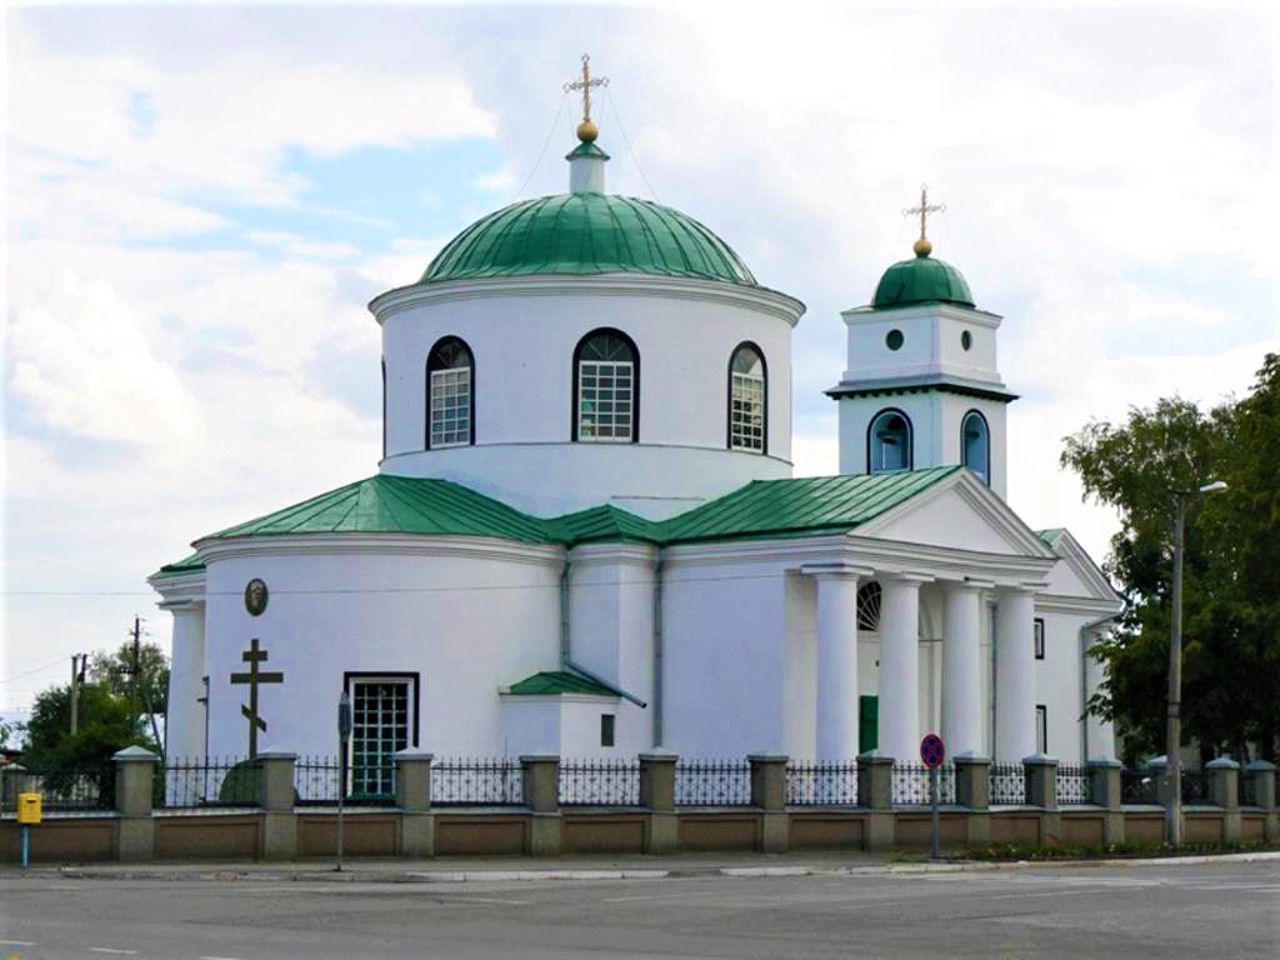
921,280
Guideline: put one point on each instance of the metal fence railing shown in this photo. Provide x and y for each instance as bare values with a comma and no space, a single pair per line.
1138,786
1248,789
912,787
1008,784
832,783
604,782
1197,786
82,788
207,782
316,782
713,783
477,782
1075,786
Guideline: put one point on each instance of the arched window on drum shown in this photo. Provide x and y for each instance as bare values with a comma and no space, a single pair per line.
748,400
451,395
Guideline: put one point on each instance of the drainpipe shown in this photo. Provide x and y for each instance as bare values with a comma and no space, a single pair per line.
566,653
657,647
1085,630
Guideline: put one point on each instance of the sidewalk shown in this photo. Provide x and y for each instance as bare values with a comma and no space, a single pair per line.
511,869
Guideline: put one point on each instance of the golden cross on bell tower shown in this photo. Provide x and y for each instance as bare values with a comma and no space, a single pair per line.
587,130
922,246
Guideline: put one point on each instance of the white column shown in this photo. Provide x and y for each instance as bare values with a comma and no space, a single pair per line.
900,668
1100,734
961,669
837,666
1015,676
184,720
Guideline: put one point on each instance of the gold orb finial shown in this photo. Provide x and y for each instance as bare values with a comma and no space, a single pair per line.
922,247
588,131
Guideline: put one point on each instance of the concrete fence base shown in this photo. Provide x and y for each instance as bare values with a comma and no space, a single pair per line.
279,830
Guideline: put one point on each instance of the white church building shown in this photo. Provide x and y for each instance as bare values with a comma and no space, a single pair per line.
584,536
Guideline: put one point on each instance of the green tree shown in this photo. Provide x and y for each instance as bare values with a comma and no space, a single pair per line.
105,725
1231,597
116,671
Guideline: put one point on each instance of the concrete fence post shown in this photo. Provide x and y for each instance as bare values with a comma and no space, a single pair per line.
277,795
769,793
1104,787
875,792
541,775
973,790
135,779
413,796
15,782
658,793
1224,792
1264,786
1042,791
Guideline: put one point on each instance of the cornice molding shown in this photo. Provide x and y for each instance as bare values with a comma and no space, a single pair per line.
614,552
382,544
1074,556
864,316
1085,606
179,591
761,299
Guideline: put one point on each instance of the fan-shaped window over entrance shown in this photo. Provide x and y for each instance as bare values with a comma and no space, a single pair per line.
606,388
451,395
869,606
747,399
975,441
889,442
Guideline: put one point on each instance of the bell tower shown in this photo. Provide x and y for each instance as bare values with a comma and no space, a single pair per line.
921,387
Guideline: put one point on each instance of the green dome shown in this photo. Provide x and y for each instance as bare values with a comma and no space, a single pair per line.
921,280
587,233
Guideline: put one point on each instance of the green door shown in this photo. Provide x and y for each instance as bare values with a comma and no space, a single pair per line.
868,724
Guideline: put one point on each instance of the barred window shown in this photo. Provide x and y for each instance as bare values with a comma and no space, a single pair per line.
450,395
747,399
606,388
380,723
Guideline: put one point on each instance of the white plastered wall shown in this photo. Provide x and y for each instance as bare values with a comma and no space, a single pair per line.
522,336
466,623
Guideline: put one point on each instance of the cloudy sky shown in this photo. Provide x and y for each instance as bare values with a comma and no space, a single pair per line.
201,200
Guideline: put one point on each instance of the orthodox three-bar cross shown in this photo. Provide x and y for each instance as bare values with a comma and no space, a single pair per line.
253,656
585,85
924,209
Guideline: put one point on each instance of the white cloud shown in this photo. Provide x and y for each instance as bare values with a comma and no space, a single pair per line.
82,365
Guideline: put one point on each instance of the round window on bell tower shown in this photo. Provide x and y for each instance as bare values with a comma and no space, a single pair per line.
894,339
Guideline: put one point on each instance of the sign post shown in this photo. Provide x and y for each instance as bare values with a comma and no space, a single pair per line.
344,732
933,752
30,811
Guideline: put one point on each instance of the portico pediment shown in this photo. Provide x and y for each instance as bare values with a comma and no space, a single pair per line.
962,514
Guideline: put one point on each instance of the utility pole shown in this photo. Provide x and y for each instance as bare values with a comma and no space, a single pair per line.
79,661
135,671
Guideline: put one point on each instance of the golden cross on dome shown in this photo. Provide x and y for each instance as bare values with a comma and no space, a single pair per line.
585,85
924,210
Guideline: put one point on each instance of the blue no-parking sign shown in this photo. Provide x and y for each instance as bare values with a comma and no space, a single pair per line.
932,751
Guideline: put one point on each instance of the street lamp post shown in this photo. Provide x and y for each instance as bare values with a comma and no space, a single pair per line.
1173,764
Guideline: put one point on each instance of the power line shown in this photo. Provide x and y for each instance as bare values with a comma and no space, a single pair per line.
47,666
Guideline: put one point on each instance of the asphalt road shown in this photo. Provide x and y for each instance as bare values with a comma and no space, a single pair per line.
1218,910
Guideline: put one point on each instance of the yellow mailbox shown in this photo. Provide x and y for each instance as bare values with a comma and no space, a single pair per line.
29,807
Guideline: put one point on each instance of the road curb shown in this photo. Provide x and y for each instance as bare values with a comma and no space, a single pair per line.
692,870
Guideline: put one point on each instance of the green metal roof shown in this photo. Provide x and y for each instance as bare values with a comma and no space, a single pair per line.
805,507
1051,536
550,683
811,506
187,565
921,280
587,233
390,504
606,523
